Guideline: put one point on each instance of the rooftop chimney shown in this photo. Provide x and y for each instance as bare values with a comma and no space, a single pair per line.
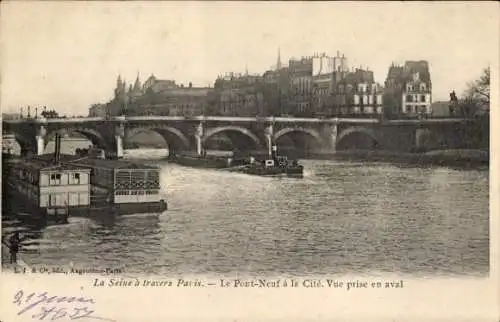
57,150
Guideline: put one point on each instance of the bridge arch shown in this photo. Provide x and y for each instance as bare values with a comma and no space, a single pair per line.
92,135
298,141
310,132
24,143
369,137
173,137
236,134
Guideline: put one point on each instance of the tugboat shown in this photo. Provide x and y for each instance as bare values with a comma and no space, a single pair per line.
275,165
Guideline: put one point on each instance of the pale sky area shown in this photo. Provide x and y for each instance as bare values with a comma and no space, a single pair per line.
67,55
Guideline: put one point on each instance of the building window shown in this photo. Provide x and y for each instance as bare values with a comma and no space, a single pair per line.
76,178
422,87
55,179
409,98
422,98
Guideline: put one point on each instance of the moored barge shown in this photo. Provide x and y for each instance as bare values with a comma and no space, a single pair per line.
55,186
122,186
207,161
45,191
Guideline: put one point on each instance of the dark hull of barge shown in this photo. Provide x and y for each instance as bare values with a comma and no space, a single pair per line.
26,210
209,162
295,171
122,209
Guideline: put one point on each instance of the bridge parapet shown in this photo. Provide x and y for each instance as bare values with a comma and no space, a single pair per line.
337,120
185,131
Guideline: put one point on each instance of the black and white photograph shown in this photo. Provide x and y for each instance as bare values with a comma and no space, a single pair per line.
256,139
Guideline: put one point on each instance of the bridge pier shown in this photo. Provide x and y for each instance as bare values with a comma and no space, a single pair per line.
40,140
269,132
40,145
331,133
119,146
113,145
198,137
423,139
119,135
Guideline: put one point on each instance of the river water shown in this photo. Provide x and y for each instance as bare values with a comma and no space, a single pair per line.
342,217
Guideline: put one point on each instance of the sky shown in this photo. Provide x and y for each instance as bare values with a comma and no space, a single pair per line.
67,55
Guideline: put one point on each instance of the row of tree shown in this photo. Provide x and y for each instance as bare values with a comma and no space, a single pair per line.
51,114
476,101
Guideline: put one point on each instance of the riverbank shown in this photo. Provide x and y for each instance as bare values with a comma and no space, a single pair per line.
451,158
7,265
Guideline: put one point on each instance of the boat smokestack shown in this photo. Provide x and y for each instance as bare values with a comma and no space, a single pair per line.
57,150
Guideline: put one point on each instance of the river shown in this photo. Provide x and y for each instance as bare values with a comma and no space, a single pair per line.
342,217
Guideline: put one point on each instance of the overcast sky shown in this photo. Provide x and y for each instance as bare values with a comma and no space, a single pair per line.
67,55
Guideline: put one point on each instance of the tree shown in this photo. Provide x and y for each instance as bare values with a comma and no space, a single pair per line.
52,114
477,95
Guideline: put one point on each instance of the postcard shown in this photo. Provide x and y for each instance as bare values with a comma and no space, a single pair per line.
249,161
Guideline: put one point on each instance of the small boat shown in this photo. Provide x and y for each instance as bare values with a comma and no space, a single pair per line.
273,166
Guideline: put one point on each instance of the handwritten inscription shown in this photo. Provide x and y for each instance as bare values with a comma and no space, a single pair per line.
43,306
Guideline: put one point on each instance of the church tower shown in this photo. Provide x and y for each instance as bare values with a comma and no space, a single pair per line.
119,87
278,62
137,85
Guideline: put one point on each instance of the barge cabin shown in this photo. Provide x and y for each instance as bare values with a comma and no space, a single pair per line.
128,186
46,188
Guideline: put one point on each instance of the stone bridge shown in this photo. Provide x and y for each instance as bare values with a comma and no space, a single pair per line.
312,135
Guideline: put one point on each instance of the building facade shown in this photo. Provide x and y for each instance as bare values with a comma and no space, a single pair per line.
155,97
11,116
318,85
276,91
98,110
300,91
185,101
324,68
239,95
408,89
348,92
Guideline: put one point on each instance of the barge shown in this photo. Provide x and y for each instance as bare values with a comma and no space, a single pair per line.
43,190
121,186
54,187
207,161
